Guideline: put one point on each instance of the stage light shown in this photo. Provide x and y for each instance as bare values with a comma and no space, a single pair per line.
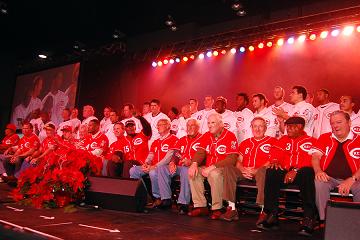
251,48
324,34
233,50
201,56
242,49
118,34
238,8
215,53
185,59
312,37
269,44
209,54
177,60
171,61
173,28
3,8
358,28
335,32
159,63
291,40
169,21
154,64
302,38
192,57
223,52
166,61
42,56
261,45
280,42
348,30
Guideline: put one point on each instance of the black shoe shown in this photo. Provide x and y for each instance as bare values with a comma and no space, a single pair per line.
165,204
271,222
183,209
307,227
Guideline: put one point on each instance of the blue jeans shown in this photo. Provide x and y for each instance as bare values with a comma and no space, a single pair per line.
165,182
137,173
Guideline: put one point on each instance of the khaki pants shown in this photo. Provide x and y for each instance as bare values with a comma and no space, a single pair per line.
232,174
215,180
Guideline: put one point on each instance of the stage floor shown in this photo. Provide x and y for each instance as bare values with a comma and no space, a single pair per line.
157,224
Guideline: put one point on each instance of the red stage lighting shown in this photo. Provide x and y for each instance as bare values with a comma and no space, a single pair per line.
233,50
166,61
302,38
159,63
223,51
291,40
177,60
312,37
335,32
215,53
171,61
185,59
280,42
192,57
201,56
209,54
269,44
251,48
358,28
348,30
324,34
154,64
261,45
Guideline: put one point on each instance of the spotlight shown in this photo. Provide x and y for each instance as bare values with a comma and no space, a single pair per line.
261,45
241,13
215,53
302,38
348,30
192,57
233,50
171,61
251,48
185,59
242,49
169,21
269,44
159,63
154,64
42,56
223,52
201,56
291,40
173,28
3,8
335,32
280,42
177,60
324,34
358,28
312,37
209,54
166,61
238,8
117,34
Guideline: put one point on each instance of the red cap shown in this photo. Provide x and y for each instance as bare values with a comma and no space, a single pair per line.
11,126
66,128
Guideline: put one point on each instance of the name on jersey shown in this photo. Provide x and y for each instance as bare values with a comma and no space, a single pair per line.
355,153
265,148
306,146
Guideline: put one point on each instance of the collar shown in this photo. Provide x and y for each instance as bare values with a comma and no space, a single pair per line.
300,103
163,137
350,136
96,135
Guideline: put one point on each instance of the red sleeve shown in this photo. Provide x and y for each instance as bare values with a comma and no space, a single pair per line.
153,146
35,142
242,147
277,153
321,143
204,141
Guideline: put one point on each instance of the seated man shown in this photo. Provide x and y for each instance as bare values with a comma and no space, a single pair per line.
290,162
217,148
251,164
335,158
10,139
158,154
96,143
14,156
185,149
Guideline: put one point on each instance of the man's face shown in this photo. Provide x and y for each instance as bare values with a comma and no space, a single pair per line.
278,93
339,126
74,113
154,108
192,128
163,127
113,117
240,102
50,132
118,130
257,103
83,132
130,129
65,114
258,128
107,112
215,126
93,127
208,102
127,112
87,112
220,106
321,97
67,135
346,104
185,111
171,115
146,109
8,132
193,105
26,130
294,130
295,96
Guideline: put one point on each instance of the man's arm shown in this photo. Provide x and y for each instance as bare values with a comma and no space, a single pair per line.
166,160
229,160
319,173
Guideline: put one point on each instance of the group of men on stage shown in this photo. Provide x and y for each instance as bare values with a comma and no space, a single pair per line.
317,149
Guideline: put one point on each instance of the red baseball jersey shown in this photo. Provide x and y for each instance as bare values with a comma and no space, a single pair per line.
10,141
122,145
65,146
218,149
161,146
188,146
28,142
140,146
293,152
97,141
50,142
256,153
327,145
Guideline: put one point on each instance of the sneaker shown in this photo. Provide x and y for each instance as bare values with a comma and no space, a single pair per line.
199,211
183,209
165,204
230,215
215,214
270,223
307,227
262,218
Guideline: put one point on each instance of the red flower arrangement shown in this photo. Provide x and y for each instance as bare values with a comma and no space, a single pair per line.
57,180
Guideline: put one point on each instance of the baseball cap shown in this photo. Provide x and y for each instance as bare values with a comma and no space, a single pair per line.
49,126
66,128
295,120
221,98
129,122
11,126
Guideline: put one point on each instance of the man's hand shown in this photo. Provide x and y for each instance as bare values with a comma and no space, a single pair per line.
193,170
172,168
322,176
115,158
14,159
34,161
247,172
290,176
279,112
28,159
145,168
344,187
205,172
275,165
185,162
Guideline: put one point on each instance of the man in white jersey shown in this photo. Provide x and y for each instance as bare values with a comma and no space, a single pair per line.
202,115
128,114
194,104
88,114
75,121
260,102
105,122
66,121
153,117
145,108
173,114
347,104
244,117
109,131
325,108
185,116
300,109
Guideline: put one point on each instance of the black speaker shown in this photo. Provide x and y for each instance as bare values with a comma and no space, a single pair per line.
342,221
122,194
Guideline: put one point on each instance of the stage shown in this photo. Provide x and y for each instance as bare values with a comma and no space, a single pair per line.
90,223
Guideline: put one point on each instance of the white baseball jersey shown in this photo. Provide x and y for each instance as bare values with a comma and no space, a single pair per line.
137,123
60,100
37,124
87,120
355,122
243,122
174,125
104,124
202,116
153,120
270,118
306,111
322,118
109,133
285,106
182,129
62,124
229,121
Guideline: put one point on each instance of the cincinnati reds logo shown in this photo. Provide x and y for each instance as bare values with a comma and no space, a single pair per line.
7,142
306,146
221,149
165,147
227,125
265,148
267,121
138,141
93,145
356,129
27,145
316,116
355,153
328,115
195,146
240,119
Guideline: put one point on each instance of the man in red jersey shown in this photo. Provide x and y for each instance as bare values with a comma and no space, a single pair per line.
184,150
290,164
336,161
217,148
10,139
96,143
252,163
158,154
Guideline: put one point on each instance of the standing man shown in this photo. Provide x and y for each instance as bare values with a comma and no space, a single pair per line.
227,116
75,121
88,114
185,116
109,131
128,113
106,119
346,105
194,104
66,121
202,115
260,102
145,108
243,116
